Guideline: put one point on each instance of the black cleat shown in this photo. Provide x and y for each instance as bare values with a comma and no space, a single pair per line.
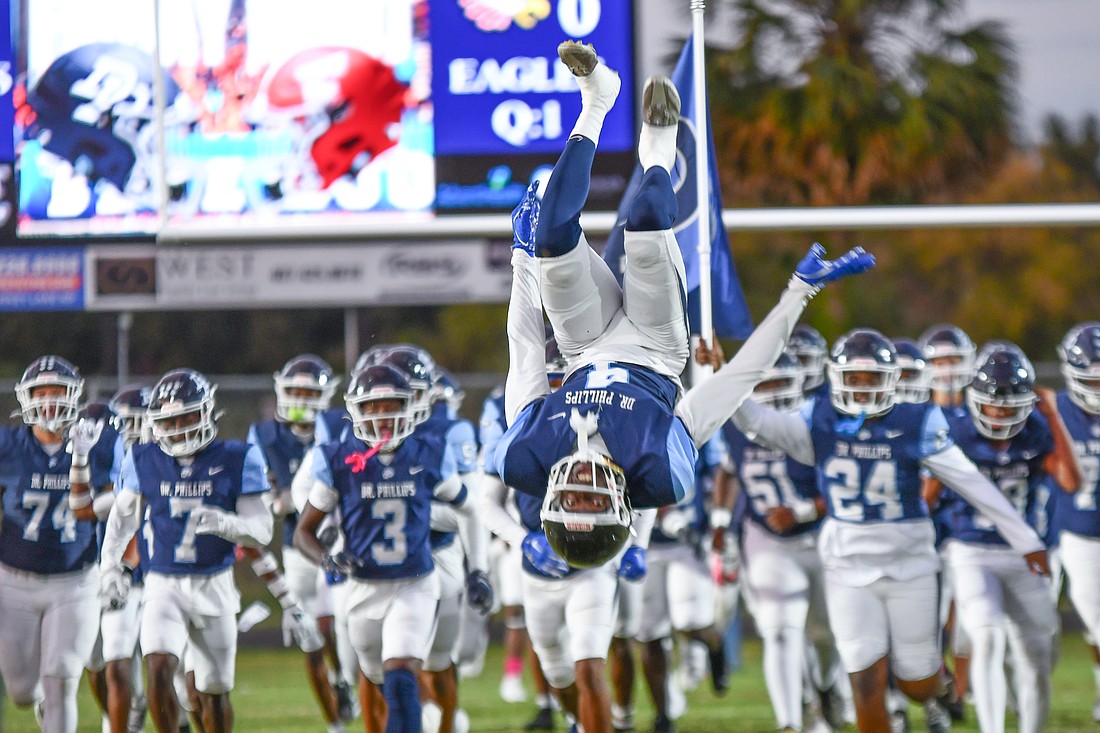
719,669
832,707
662,724
579,57
543,720
660,102
346,704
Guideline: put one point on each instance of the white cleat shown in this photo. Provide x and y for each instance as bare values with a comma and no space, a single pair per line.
511,689
599,84
660,123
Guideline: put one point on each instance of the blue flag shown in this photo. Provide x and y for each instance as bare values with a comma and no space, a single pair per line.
731,314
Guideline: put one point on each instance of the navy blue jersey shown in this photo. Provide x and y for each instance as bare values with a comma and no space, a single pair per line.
769,479
636,422
219,474
491,427
39,533
459,457
1014,466
331,425
283,452
1077,512
695,506
385,508
869,470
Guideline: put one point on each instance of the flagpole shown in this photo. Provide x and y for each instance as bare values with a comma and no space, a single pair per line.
702,169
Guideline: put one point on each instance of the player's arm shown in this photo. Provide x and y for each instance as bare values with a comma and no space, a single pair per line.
708,405
119,545
527,379
1062,463
85,504
474,538
251,523
494,495
931,488
280,495
723,496
785,431
298,626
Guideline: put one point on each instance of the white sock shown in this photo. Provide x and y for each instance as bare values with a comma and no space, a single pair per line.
598,93
336,727
657,146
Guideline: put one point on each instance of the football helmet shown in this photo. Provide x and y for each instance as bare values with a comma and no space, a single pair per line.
448,390
863,373
94,107
181,413
810,348
419,368
914,379
131,407
781,387
346,106
949,356
97,410
1002,394
57,409
303,387
586,511
1079,353
375,426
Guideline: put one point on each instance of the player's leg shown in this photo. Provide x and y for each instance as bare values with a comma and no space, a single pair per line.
654,631
347,664
163,641
95,670
590,615
439,671
509,583
692,599
119,632
544,608
825,673
654,281
979,607
22,603
305,581
628,615
1081,561
915,655
1033,623
781,602
579,292
407,630
214,652
69,629
858,617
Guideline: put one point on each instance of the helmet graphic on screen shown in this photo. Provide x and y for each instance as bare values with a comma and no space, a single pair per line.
346,108
94,108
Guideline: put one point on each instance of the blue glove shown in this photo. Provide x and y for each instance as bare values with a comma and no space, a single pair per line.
633,564
816,270
479,592
538,552
525,220
339,566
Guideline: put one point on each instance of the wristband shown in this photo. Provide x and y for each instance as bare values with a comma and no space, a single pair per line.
80,474
720,517
79,501
804,512
265,564
281,591
80,460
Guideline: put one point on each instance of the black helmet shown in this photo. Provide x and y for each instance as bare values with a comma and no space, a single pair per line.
1006,383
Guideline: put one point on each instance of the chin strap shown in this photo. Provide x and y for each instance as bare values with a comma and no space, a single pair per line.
585,426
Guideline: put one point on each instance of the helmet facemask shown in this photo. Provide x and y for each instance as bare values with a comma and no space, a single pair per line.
1016,409
1083,386
863,387
383,420
780,389
914,383
184,429
299,397
49,400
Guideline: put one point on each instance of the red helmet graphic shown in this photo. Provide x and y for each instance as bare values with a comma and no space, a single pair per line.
351,104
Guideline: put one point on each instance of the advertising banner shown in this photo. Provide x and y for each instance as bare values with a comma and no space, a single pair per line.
41,279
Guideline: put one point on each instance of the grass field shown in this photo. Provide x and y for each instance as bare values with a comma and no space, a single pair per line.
271,697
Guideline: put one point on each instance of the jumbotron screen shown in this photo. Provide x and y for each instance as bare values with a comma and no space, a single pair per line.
254,112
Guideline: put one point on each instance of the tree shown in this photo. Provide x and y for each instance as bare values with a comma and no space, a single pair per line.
845,102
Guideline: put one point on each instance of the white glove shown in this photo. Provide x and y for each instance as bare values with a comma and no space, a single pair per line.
674,522
211,520
114,587
82,438
301,628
